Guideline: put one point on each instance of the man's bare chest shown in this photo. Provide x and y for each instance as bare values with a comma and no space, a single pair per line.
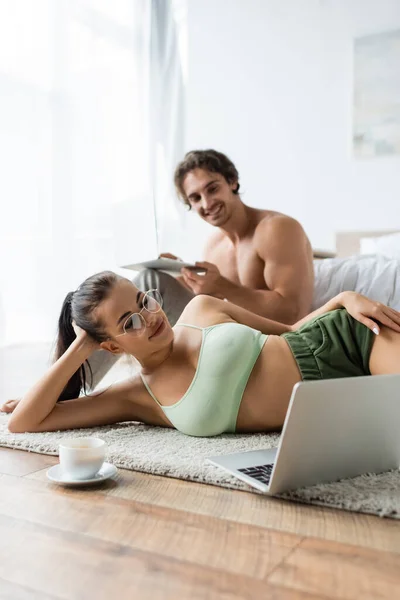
240,264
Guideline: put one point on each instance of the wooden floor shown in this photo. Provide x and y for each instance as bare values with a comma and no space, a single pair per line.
143,536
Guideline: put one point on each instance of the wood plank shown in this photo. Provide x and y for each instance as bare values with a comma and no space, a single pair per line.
13,591
77,566
255,509
341,571
20,463
204,540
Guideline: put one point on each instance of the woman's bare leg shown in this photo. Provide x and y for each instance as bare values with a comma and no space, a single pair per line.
385,354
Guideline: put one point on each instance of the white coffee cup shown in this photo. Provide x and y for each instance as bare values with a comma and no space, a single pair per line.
82,458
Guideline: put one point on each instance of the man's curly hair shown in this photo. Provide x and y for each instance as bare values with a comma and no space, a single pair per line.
209,160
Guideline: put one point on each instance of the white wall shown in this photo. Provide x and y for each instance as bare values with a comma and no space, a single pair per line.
270,84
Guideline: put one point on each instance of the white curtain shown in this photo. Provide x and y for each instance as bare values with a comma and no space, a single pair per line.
77,147
168,40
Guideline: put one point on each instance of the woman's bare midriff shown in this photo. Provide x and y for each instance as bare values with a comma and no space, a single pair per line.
266,397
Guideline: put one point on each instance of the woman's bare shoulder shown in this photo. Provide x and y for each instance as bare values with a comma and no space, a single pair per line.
204,311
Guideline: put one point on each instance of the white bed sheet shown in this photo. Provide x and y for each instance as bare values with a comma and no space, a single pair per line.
375,276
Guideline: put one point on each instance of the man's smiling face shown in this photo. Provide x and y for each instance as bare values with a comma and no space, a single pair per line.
210,195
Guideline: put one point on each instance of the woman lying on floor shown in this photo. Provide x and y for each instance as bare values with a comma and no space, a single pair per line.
221,369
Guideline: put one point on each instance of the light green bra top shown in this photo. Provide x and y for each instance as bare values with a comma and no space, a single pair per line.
210,406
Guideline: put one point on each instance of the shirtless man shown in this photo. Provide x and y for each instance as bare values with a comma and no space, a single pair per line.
259,259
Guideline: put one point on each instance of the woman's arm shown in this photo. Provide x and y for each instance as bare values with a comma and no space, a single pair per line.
38,409
111,406
333,304
360,308
274,327
206,310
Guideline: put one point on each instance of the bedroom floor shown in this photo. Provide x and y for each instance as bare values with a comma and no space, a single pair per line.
146,536
154,537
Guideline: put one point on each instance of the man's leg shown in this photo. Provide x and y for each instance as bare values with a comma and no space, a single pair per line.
175,297
100,363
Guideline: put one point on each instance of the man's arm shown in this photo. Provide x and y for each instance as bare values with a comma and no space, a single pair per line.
288,272
283,247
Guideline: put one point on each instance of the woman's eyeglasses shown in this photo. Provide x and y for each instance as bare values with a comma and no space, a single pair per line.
135,324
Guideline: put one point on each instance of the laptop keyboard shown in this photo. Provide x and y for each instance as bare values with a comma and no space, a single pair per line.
261,473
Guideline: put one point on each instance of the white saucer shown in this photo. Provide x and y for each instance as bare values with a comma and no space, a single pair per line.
55,474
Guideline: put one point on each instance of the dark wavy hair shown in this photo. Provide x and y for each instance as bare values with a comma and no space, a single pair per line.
79,306
209,160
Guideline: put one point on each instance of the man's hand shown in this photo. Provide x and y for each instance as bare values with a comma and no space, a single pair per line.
209,283
9,406
169,255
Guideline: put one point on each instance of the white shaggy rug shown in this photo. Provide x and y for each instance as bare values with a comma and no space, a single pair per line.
170,453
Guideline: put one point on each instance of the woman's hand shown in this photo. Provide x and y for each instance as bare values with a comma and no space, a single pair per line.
360,308
85,339
369,312
9,406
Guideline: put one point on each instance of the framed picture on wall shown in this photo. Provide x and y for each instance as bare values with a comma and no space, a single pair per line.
376,110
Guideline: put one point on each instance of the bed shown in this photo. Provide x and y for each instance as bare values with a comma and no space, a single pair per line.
367,262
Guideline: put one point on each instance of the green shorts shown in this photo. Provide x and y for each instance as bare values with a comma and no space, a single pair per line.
331,346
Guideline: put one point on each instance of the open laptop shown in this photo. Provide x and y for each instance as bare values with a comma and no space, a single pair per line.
334,429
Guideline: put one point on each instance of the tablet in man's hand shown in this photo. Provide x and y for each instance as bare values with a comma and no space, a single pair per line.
164,264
